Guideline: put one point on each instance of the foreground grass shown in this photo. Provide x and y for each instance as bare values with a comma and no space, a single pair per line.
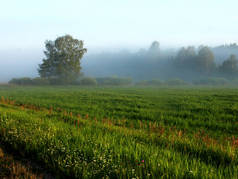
174,145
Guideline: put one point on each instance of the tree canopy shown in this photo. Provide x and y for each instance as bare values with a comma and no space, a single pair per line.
62,62
206,60
229,66
186,57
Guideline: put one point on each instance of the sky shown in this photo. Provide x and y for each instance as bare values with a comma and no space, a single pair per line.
26,24
108,25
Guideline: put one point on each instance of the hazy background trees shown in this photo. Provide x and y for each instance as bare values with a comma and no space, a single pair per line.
187,63
205,60
229,67
150,65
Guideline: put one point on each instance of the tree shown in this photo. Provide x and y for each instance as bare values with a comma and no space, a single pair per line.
229,66
62,62
154,49
155,46
186,58
205,60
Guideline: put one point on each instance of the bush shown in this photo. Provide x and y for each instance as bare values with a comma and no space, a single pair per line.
56,81
114,81
150,83
211,81
40,81
29,81
234,81
21,81
175,82
88,81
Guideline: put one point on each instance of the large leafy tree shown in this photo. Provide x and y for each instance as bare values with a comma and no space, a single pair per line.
62,62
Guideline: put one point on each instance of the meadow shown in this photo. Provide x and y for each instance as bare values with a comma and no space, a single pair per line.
123,132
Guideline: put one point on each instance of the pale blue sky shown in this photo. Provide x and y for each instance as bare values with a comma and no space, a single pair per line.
118,23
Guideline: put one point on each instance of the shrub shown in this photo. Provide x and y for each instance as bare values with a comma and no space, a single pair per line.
88,81
29,81
21,81
211,81
175,82
56,81
234,81
114,81
40,81
155,82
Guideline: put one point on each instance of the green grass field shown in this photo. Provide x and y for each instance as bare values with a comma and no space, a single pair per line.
123,132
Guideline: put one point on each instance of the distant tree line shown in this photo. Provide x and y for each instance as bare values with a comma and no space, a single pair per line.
88,81
62,65
203,61
187,63
116,81
29,81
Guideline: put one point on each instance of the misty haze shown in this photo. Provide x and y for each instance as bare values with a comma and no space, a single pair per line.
143,64
119,89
